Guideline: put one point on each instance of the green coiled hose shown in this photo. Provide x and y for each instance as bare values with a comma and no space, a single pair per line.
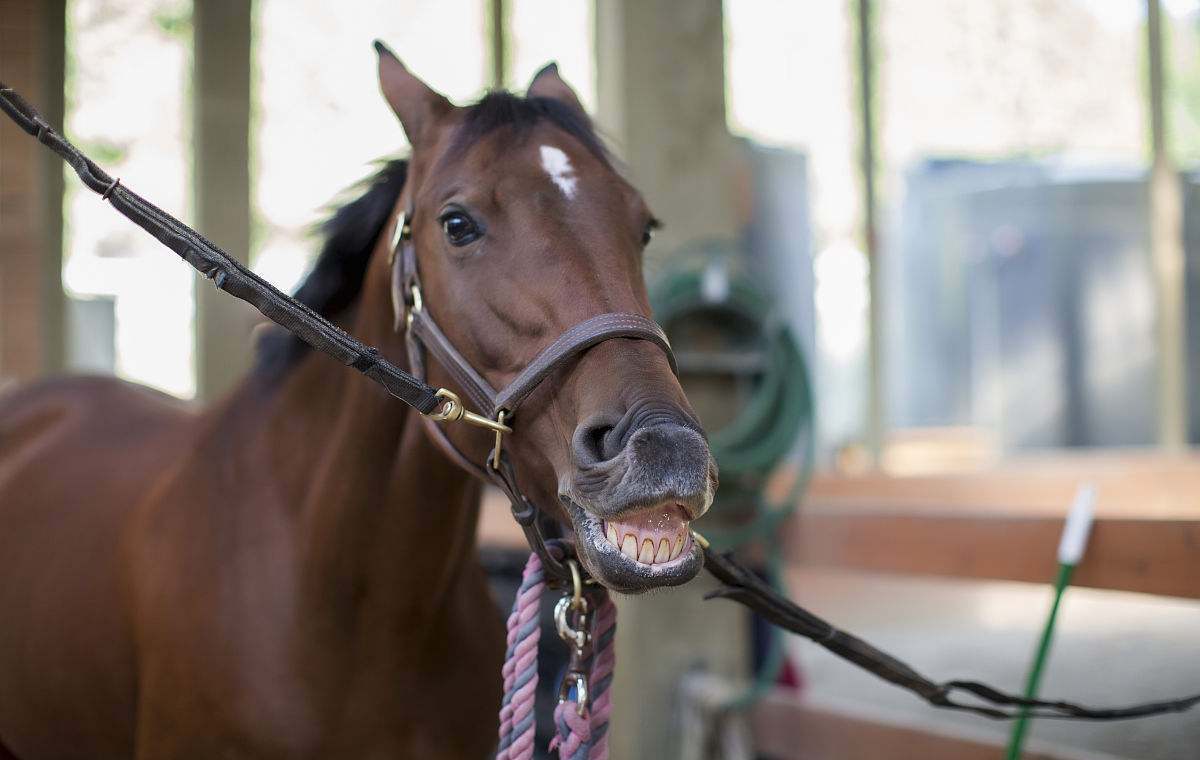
707,289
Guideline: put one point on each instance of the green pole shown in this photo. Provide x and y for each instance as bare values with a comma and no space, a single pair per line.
1039,660
1074,539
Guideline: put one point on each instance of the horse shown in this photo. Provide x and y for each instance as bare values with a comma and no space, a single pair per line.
291,572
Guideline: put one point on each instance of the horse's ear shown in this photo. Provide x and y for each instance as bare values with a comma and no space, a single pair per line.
417,105
547,83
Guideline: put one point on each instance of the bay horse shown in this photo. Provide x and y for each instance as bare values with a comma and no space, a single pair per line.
291,571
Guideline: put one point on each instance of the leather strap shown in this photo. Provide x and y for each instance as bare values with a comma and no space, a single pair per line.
572,344
425,332
528,516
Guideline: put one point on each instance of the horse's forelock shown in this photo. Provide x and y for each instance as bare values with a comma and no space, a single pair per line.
501,109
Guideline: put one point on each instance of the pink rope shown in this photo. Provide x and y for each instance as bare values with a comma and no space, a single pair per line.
604,630
517,720
579,737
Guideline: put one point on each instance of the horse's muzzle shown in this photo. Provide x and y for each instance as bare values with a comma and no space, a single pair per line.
637,487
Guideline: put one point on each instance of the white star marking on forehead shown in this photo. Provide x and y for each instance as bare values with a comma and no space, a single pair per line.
558,166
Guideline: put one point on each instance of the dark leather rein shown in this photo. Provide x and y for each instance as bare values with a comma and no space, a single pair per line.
499,408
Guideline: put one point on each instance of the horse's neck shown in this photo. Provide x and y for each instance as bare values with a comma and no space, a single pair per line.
384,521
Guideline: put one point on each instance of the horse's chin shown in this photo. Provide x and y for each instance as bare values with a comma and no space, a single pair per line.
658,534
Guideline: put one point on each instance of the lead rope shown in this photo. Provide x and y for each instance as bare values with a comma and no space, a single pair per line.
582,715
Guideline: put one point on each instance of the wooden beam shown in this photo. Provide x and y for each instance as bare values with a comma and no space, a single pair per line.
1125,554
868,160
1138,484
498,63
32,302
1004,523
1166,249
222,184
787,729
661,92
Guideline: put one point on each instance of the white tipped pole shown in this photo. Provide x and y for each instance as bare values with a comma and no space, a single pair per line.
1078,526
1071,546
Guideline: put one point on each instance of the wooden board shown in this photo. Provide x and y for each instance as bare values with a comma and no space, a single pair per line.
1148,556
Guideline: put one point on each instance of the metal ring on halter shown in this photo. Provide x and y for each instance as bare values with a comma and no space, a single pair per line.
578,602
399,233
416,307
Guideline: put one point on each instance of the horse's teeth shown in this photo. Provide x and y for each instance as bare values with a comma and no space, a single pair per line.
629,547
646,544
646,555
664,551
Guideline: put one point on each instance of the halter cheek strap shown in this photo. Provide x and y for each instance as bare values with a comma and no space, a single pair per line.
496,407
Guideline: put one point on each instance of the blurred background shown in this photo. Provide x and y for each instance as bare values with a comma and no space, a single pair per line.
931,266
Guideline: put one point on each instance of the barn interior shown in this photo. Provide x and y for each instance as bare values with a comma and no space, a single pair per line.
931,268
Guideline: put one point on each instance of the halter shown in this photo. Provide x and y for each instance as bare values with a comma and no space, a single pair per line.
497,408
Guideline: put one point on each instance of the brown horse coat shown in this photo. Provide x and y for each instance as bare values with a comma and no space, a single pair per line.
290,572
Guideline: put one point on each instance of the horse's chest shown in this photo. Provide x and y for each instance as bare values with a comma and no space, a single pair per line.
408,702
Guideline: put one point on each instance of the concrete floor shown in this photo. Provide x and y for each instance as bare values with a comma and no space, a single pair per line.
1111,649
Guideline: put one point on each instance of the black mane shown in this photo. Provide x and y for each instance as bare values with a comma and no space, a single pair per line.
350,233
337,276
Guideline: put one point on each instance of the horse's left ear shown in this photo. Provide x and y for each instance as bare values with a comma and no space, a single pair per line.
548,84
415,103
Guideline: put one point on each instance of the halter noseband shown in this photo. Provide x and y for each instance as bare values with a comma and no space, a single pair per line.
497,408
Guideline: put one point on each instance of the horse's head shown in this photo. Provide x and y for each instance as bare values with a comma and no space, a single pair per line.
522,228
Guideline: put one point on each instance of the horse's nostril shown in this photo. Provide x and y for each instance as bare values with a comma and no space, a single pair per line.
594,442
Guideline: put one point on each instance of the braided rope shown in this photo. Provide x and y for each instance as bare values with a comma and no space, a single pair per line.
579,737
520,666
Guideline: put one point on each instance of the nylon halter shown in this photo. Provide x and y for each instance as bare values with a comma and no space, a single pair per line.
496,409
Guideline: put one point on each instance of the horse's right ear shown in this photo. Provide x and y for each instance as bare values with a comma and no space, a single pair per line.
548,83
416,105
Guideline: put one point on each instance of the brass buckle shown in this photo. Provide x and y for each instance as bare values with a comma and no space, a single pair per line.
400,233
452,410
500,415
417,306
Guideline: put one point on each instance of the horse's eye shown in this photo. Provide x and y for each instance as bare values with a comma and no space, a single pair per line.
459,228
648,233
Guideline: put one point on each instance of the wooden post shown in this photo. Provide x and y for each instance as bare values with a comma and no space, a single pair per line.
32,57
1167,255
661,89
866,125
221,183
497,20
